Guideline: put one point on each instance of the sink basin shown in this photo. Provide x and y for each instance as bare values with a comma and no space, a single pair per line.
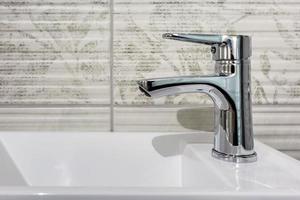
62,166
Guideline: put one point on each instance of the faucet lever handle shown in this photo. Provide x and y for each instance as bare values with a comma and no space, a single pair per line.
224,47
195,38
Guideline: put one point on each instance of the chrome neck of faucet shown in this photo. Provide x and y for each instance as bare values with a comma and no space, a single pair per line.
229,88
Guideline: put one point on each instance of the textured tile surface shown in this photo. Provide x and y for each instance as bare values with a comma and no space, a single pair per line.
54,52
54,119
178,119
141,53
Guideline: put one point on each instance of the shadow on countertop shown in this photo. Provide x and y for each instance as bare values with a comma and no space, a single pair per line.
201,119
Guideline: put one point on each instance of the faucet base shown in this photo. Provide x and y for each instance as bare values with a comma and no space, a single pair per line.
234,158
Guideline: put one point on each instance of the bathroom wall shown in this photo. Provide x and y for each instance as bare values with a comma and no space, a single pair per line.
72,65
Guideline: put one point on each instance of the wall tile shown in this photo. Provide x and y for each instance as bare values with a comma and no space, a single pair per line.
164,119
268,121
54,52
141,53
77,119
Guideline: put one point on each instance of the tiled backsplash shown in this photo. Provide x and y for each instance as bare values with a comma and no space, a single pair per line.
72,65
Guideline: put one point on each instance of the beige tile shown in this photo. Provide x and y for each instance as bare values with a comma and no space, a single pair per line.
140,52
78,119
162,119
272,124
54,52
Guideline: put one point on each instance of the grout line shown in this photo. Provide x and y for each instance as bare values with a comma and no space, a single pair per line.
162,106
53,105
108,105
111,63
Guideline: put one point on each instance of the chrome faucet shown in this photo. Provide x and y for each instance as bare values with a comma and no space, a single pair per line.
229,88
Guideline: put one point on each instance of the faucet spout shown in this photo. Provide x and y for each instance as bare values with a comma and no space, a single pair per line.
229,88
232,137
225,111
159,87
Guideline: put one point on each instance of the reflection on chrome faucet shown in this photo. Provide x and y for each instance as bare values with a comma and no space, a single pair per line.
229,88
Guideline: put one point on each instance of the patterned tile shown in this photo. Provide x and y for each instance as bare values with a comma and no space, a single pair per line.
54,52
140,52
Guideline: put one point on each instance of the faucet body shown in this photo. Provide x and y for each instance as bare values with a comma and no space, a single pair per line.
229,88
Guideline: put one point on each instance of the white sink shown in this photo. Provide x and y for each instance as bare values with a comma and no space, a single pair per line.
132,166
